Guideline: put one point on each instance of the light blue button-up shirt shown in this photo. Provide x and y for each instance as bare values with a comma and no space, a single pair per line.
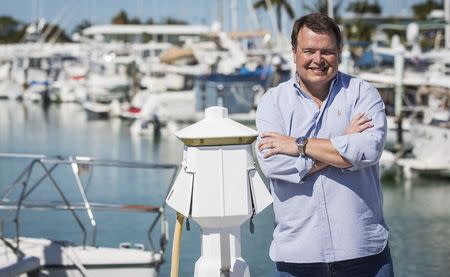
333,214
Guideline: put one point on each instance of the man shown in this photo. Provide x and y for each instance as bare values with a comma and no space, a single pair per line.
321,136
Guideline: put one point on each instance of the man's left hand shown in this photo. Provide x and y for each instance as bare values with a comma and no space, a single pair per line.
277,144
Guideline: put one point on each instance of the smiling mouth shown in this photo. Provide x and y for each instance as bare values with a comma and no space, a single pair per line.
319,69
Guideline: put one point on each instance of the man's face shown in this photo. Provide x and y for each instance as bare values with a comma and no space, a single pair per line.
316,57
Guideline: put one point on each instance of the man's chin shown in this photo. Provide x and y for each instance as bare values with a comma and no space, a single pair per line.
318,75
317,79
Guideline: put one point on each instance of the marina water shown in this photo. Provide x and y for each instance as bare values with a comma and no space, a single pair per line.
417,212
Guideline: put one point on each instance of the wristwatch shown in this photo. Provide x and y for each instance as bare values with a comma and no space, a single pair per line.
301,143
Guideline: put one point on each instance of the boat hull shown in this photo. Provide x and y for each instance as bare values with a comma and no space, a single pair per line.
60,258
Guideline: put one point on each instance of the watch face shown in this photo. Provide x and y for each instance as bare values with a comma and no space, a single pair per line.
301,140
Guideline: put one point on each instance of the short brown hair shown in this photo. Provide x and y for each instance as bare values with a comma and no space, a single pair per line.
318,23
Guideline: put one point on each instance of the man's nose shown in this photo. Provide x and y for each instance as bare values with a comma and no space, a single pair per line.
317,58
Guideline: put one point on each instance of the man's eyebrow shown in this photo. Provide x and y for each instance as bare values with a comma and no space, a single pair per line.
321,49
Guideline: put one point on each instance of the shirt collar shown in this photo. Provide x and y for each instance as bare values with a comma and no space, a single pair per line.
296,84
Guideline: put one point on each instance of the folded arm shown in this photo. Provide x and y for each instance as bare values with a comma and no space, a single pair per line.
361,144
291,168
320,150
364,149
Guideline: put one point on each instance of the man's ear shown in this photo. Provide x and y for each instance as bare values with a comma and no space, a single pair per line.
293,55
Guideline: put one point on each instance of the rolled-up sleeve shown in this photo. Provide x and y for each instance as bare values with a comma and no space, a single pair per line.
365,148
280,166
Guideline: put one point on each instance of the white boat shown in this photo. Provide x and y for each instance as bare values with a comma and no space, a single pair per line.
42,70
434,76
10,90
239,93
165,111
430,139
387,162
430,149
47,257
60,258
99,110
107,78
136,108
70,82
170,65
392,136
106,84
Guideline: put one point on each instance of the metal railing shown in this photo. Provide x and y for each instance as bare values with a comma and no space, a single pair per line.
48,164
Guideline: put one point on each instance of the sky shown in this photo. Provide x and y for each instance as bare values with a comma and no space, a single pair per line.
68,13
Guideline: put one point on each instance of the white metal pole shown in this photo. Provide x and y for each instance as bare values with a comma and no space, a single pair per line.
234,22
253,17
330,8
221,254
447,21
272,17
399,66
33,10
220,13
346,56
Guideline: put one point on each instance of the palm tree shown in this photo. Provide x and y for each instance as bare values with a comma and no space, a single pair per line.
120,18
421,10
81,26
362,7
170,20
11,29
321,6
279,4
359,29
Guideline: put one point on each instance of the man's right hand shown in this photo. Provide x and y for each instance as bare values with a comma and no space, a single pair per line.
358,124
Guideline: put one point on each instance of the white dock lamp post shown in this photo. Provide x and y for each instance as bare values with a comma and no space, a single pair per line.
219,188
